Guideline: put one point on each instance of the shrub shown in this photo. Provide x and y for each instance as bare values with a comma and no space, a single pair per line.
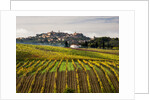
115,48
69,90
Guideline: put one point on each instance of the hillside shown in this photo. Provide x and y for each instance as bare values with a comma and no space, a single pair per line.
55,38
51,69
27,51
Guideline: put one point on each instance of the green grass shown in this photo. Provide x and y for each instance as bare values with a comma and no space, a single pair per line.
25,52
70,66
107,70
28,51
114,67
55,67
43,71
103,50
96,68
86,66
38,65
62,66
78,65
28,64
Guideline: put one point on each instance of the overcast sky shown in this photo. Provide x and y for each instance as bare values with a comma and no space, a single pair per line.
88,25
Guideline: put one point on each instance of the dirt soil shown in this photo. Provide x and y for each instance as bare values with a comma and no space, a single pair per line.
60,82
83,81
107,88
49,84
95,87
71,80
38,83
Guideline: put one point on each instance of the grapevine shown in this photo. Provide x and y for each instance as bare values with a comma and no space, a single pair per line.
34,76
45,74
76,69
98,78
89,86
56,75
111,70
110,83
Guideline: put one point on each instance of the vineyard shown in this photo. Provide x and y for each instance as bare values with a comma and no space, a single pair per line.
48,69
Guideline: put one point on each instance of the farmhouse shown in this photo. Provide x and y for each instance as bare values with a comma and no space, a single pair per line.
75,46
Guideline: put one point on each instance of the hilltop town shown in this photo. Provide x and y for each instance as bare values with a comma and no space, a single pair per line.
55,38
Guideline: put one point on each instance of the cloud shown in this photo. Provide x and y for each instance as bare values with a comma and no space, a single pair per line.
114,19
67,31
23,33
88,25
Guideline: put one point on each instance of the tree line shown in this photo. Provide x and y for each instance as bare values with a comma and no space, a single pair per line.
102,42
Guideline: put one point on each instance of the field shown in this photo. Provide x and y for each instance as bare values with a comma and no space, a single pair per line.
49,69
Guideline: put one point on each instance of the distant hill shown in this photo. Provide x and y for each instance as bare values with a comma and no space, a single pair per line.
58,38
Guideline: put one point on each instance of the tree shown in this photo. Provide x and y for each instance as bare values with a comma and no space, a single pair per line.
102,42
66,44
105,40
86,44
96,45
117,39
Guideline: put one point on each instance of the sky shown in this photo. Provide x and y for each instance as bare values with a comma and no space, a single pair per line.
90,26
